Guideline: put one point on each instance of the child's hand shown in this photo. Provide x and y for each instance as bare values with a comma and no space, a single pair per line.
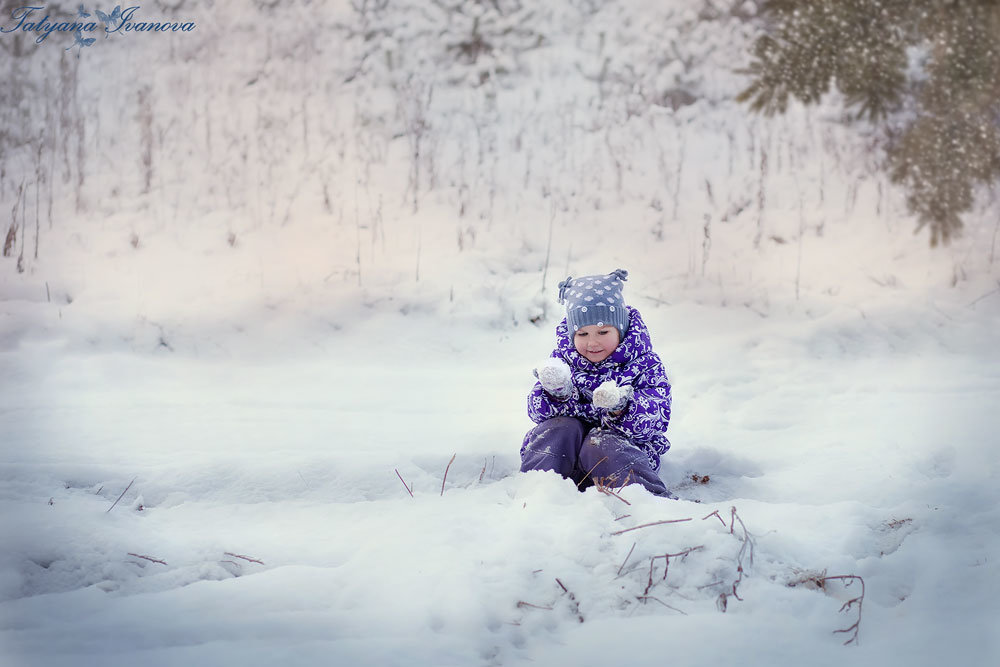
556,378
612,397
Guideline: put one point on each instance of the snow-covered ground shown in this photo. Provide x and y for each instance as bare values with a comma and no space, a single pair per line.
847,444
262,345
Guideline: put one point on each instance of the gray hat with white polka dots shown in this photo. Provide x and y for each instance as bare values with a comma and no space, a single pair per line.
595,300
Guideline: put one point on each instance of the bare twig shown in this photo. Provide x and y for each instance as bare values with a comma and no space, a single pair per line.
856,626
647,525
246,558
666,564
716,515
408,489
623,516
121,496
151,560
680,554
447,468
483,472
649,584
626,559
745,549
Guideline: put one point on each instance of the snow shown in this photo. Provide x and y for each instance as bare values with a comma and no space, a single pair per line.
608,395
555,375
291,340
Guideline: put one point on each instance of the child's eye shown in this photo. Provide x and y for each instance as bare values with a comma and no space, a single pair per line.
604,333
581,334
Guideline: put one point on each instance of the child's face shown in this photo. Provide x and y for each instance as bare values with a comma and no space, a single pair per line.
594,343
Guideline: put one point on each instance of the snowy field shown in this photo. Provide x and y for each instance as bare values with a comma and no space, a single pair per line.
848,444
262,400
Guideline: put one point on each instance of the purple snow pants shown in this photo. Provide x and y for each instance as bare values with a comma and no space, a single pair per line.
571,448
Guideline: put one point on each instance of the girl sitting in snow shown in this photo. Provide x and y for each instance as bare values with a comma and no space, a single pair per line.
602,400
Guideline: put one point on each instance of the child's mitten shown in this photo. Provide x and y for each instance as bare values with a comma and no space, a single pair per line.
556,378
612,397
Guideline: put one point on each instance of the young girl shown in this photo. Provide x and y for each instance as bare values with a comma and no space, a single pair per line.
602,400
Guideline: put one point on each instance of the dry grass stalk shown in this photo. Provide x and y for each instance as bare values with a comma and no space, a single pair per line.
666,565
522,603
151,560
447,468
590,471
572,599
121,496
856,626
716,515
745,549
626,559
647,525
409,489
603,485
246,558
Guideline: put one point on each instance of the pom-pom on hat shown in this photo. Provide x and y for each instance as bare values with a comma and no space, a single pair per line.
595,300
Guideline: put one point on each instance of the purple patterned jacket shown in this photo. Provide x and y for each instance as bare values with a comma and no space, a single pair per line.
644,421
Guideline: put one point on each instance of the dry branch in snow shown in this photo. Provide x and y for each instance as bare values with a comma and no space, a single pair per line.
121,496
151,560
447,468
409,489
647,525
856,626
575,606
246,558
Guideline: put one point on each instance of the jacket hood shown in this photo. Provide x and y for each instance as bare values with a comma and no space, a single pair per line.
635,345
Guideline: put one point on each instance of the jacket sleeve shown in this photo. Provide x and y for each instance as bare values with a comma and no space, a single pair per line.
542,406
648,413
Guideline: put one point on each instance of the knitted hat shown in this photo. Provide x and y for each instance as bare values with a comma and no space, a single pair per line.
595,300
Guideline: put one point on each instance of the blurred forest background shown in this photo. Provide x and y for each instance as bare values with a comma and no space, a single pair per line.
380,148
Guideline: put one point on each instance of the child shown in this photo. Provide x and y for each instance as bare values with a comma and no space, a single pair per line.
602,401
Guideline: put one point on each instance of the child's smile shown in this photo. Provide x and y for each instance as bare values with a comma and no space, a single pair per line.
596,343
